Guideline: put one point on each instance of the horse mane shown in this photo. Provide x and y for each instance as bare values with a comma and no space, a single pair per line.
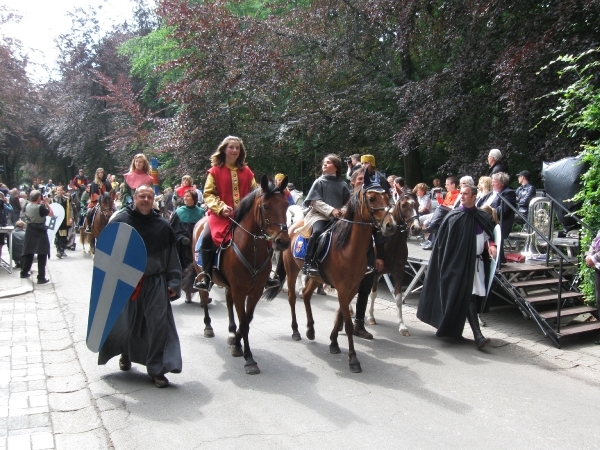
340,231
247,202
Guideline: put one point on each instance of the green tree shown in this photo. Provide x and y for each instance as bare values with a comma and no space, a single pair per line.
578,113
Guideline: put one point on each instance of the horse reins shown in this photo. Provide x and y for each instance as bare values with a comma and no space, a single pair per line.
374,223
263,220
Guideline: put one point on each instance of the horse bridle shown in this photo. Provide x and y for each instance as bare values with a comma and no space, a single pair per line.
405,222
374,222
263,220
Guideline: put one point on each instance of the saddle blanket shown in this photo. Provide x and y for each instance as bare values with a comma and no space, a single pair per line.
301,245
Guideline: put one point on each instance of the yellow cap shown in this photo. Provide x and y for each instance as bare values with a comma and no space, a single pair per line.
368,158
279,176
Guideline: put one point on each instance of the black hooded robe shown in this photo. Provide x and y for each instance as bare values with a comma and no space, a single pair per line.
146,330
448,285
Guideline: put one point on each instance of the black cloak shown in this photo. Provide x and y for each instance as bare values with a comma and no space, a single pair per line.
145,329
448,285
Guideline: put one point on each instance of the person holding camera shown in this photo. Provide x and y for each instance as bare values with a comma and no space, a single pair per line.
353,163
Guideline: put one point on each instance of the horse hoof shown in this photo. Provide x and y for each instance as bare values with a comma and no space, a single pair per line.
296,336
371,321
252,369
334,349
310,334
355,368
231,340
208,332
404,332
237,351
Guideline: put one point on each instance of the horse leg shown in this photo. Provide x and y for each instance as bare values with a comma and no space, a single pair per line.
245,317
307,293
352,359
290,270
401,327
234,338
371,317
208,329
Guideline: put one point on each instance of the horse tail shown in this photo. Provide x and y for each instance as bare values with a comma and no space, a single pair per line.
272,292
188,278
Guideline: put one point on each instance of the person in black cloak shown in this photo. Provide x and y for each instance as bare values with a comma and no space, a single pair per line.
458,270
36,236
145,332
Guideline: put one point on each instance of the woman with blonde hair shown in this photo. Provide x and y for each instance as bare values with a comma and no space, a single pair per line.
139,174
484,191
187,183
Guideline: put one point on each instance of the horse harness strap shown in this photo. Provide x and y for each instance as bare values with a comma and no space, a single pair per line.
253,272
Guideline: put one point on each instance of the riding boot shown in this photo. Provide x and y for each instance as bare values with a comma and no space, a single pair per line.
90,220
480,340
207,266
308,268
360,331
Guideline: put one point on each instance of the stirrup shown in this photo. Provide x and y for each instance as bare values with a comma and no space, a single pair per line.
204,284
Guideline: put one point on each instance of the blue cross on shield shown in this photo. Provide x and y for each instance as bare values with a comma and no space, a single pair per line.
119,263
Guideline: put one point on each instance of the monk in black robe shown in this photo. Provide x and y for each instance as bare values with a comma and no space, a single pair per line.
145,332
451,292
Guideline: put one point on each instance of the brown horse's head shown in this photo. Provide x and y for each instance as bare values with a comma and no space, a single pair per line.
106,205
406,214
273,205
375,209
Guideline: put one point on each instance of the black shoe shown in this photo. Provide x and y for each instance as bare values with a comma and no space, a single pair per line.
160,381
25,275
426,242
63,255
43,281
59,255
429,246
88,230
124,362
272,283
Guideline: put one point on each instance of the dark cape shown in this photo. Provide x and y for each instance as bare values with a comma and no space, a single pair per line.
448,285
330,189
146,330
182,222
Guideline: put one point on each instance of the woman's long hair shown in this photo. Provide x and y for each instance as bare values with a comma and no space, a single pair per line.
218,158
146,167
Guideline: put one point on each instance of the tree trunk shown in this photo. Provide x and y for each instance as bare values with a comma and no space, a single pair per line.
412,168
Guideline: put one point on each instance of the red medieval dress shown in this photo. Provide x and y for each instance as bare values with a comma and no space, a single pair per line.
225,186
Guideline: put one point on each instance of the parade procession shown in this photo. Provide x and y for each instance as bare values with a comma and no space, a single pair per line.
298,224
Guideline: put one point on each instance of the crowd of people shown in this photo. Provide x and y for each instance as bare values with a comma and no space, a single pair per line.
147,334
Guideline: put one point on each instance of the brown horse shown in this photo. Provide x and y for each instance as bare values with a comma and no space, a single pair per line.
190,275
345,264
396,254
245,260
104,210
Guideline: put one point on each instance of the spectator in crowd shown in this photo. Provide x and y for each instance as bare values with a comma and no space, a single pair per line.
18,237
186,184
494,161
423,198
504,212
15,204
353,163
431,222
36,237
168,203
525,192
5,214
296,194
278,179
484,191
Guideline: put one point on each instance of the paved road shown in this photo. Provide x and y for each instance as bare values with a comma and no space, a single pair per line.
417,391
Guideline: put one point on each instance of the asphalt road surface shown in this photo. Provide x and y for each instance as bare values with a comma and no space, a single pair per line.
414,392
